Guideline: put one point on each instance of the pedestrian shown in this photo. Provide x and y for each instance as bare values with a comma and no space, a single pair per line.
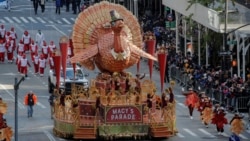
39,39
51,103
2,32
35,5
35,59
237,125
2,50
30,100
191,101
73,6
248,106
67,3
58,6
26,40
9,4
24,63
78,5
42,65
42,4
219,120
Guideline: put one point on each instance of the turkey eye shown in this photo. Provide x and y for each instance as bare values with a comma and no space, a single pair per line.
113,23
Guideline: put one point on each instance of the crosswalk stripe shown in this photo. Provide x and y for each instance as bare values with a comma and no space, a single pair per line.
59,22
40,19
2,21
41,105
180,135
73,19
24,20
207,133
190,132
32,19
17,20
8,19
243,137
66,21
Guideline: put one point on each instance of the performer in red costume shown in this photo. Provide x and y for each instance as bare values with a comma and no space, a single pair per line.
18,58
2,50
13,35
191,101
45,50
36,63
20,47
2,32
33,49
51,63
42,65
24,63
26,40
219,120
52,48
10,49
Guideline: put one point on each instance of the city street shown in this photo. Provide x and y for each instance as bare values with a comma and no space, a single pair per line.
39,127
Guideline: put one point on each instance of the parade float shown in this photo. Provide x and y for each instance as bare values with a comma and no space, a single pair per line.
108,37
5,131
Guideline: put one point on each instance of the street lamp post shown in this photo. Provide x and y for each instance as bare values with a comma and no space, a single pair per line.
16,87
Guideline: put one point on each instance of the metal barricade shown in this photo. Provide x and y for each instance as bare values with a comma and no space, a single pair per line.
241,103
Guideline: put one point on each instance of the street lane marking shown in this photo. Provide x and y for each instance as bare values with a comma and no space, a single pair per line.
20,105
190,132
57,29
9,20
179,96
40,19
32,19
243,137
207,133
59,22
65,20
16,19
180,135
24,20
41,105
2,21
182,105
51,138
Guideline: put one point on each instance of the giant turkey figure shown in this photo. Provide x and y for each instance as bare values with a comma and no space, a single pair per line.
108,36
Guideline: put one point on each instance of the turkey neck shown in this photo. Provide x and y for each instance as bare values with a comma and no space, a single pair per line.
117,43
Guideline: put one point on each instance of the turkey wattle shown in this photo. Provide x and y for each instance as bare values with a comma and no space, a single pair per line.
102,38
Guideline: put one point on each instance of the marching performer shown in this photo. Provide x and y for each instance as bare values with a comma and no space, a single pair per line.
36,62
33,49
52,48
13,35
42,65
20,47
26,40
219,120
191,100
207,112
45,50
10,50
18,58
24,63
51,63
2,50
237,125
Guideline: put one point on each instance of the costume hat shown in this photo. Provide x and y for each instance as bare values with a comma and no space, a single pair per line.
115,16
